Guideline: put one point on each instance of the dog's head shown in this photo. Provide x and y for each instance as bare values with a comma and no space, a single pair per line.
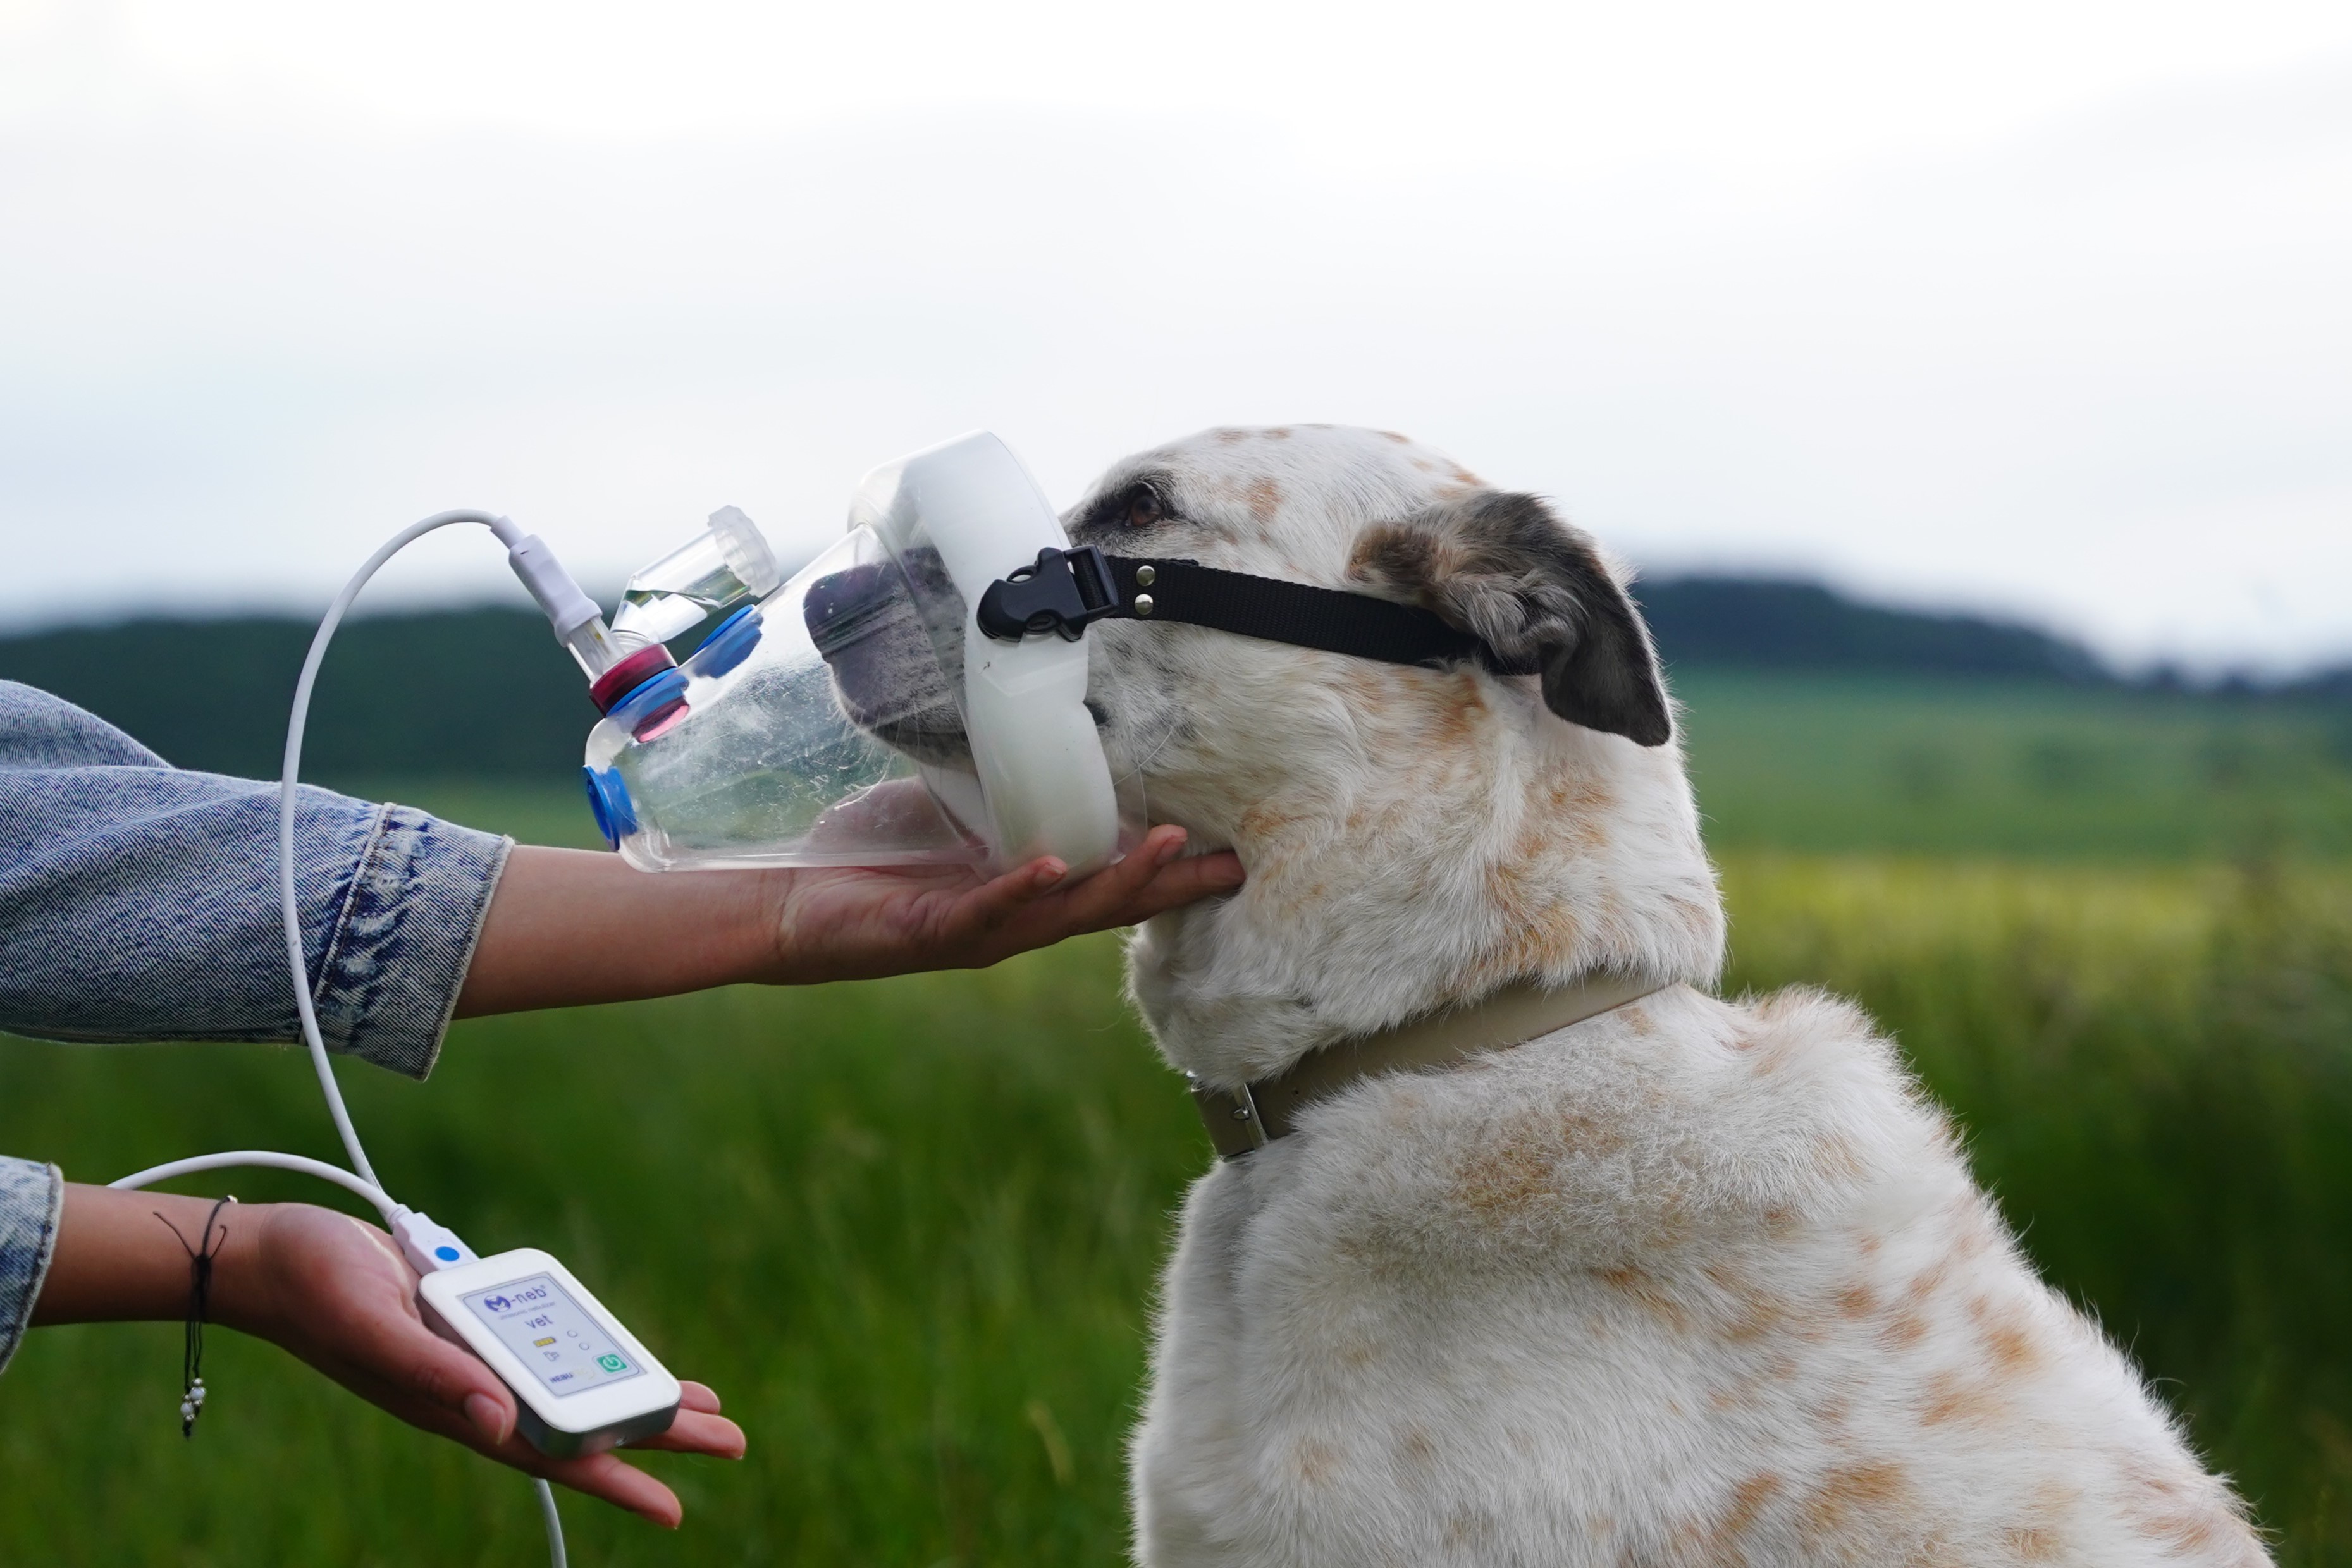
1414,836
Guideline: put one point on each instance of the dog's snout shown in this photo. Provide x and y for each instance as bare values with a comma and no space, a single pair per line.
843,607
884,668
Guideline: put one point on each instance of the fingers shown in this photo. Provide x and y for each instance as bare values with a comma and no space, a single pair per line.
694,1432
606,1476
698,1429
1115,884
608,1479
445,1388
872,924
495,1422
457,1380
1181,883
1015,912
1099,900
1152,879
993,904
445,1378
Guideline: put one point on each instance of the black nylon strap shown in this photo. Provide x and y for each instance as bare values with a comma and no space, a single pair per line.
1295,612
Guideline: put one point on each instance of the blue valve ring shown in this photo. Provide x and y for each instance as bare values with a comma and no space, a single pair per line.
608,802
729,644
648,695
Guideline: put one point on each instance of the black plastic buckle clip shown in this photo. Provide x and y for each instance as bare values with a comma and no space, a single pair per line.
1063,591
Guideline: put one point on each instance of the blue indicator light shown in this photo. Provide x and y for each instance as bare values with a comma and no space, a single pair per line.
446,1254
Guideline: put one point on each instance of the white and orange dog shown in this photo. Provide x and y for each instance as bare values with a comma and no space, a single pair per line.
1691,1282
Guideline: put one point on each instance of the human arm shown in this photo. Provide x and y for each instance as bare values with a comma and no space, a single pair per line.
567,926
334,1291
139,902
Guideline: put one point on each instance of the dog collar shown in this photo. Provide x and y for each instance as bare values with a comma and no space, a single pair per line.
1248,1117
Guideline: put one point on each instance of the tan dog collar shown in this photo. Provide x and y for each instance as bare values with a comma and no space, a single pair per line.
1248,1117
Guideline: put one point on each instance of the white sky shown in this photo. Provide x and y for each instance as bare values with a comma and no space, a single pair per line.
2039,308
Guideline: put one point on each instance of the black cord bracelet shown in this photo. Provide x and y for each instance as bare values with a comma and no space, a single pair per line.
200,1289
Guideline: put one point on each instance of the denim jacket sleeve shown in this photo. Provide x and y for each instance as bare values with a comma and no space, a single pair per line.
139,902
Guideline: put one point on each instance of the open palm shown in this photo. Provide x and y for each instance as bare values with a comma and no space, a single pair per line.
856,923
335,1291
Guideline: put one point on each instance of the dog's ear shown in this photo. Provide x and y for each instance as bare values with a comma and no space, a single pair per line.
1500,566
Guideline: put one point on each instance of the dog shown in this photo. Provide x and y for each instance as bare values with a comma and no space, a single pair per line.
1691,1282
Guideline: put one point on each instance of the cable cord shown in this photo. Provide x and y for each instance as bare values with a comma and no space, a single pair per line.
555,1554
288,908
270,1158
365,1184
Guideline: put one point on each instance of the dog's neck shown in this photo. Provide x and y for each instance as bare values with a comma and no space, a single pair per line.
1509,849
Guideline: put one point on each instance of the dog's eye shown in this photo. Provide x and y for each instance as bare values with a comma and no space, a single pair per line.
1139,506
1142,507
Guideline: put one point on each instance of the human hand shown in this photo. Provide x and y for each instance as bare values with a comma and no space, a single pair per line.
568,928
336,1292
858,923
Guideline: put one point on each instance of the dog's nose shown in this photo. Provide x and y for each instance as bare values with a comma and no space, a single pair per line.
868,630
844,608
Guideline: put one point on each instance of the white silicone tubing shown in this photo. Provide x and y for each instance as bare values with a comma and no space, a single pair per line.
365,1184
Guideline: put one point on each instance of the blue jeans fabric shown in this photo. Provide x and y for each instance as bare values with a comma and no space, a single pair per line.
30,1195
139,902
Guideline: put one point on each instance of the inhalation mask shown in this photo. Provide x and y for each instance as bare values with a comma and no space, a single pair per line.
917,693
857,714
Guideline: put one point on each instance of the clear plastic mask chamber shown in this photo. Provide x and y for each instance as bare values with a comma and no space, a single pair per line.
855,714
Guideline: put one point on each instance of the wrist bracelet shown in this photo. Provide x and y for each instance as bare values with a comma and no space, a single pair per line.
200,1287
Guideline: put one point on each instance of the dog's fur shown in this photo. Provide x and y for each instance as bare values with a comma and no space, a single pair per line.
1695,1282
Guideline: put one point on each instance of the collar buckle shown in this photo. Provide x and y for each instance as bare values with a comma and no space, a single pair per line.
1061,593
1232,1117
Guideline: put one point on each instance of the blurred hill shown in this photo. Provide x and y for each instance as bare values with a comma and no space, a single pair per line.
1765,623
475,692
486,694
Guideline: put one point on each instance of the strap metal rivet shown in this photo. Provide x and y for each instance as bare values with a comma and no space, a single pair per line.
1240,1113
1143,604
1145,576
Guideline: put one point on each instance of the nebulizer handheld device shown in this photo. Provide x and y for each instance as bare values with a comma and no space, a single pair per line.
882,707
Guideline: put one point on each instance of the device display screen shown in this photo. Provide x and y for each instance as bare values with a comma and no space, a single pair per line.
537,1319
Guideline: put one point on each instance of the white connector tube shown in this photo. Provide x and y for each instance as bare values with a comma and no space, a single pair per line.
426,1244
553,1522
271,1158
288,909
579,624
550,585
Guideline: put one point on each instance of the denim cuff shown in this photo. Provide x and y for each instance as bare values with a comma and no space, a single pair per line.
405,937
31,1195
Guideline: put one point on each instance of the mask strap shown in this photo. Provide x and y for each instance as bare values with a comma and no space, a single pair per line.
1297,613
1067,591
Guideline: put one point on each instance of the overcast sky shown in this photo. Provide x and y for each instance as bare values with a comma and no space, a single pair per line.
2040,308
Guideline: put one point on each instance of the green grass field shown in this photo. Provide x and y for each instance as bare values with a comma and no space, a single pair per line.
1915,766
910,1228
1962,768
